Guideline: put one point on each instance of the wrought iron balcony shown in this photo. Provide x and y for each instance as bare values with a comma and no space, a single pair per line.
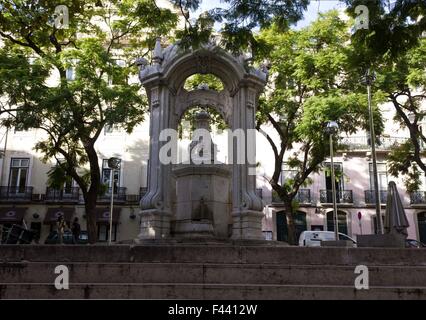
16,193
303,196
119,194
363,142
67,194
342,196
370,196
418,197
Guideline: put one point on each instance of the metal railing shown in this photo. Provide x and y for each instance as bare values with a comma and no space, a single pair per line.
16,193
119,194
66,194
418,197
303,196
370,196
363,142
342,196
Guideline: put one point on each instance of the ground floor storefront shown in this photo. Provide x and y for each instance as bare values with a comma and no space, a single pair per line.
42,219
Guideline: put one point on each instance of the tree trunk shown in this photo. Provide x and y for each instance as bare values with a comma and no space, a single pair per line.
90,207
291,228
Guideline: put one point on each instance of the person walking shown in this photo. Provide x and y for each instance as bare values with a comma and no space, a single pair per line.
75,229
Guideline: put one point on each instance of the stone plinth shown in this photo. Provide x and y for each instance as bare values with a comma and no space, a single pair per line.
202,201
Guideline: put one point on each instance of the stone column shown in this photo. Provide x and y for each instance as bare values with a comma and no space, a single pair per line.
156,204
247,206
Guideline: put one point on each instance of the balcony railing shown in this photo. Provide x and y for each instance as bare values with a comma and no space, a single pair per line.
66,194
303,196
119,194
418,197
370,196
342,196
16,193
363,142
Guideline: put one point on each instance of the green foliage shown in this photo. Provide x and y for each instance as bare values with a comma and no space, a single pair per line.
57,177
394,47
211,80
239,20
73,113
312,81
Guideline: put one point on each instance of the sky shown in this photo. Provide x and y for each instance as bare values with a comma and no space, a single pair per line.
310,15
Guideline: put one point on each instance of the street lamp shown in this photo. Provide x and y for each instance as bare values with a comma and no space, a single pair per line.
332,128
113,164
368,80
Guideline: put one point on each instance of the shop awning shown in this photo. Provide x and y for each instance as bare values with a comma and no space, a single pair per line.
102,215
53,214
11,215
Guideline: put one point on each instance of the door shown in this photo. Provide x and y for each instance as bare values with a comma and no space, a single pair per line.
421,220
282,229
341,220
18,175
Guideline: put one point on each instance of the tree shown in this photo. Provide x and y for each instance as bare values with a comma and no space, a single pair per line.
394,46
311,82
239,21
72,114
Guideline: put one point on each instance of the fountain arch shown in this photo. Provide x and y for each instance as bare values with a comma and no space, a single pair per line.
163,80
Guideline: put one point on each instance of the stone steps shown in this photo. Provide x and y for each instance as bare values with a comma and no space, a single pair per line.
207,291
214,254
15,272
210,271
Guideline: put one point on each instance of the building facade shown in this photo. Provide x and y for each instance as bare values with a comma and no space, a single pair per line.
26,198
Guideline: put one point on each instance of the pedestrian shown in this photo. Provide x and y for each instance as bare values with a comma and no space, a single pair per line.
61,225
76,229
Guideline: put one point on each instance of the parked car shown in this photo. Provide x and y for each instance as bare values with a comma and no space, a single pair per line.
411,243
52,238
314,238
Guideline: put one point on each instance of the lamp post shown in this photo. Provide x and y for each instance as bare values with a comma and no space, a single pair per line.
113,164
368,80
332,128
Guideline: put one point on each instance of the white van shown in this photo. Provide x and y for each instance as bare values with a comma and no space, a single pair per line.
314,238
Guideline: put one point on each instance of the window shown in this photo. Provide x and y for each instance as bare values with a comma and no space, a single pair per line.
18,174
103,232
107,176
70,72
381,174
